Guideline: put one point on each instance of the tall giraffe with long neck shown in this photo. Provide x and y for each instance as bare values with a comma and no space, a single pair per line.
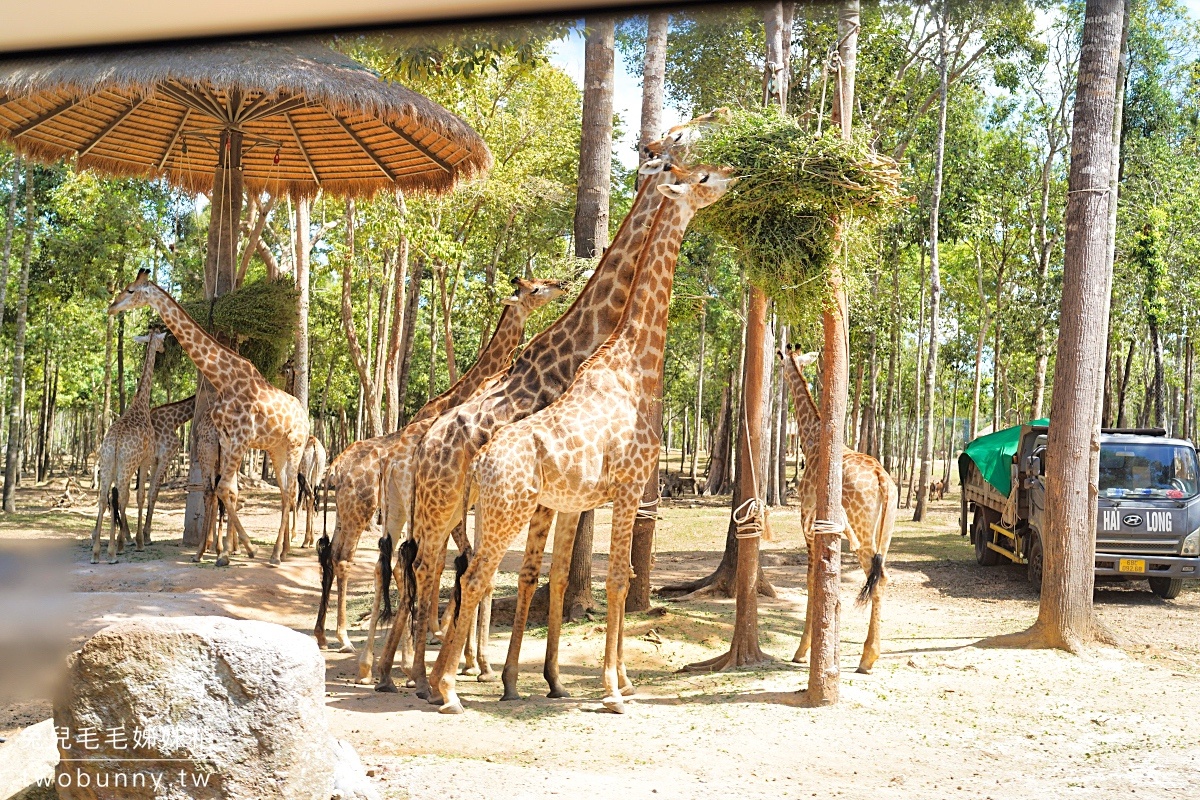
246,411
164,421
356,471
124,452
868,499
593,445
539,376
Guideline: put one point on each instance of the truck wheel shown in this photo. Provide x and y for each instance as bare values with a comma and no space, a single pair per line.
1166,588
981,534
1033,569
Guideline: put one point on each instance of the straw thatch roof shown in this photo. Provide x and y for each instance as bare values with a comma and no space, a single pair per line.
312,118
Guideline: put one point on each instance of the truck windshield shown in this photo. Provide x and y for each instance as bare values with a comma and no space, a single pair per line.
1148,470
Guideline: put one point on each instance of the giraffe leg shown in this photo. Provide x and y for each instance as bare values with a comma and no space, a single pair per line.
475,584
560,565
531,568
210,523
286,465
426,596
806,638
366,659
102,481
139,533
625,507
227,493
156,477
871,646
341,572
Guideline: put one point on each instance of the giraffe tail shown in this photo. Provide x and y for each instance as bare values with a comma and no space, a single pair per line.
303,490
114,502
385,576
873,576
461,562
325,559
408,558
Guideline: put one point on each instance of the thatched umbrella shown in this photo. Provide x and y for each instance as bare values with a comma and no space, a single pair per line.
283,116
287,115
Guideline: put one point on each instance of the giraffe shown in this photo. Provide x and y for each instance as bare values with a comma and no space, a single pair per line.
356,472
208,459
164,421
246,411
868,500
309,477
593,445
124,452
540,375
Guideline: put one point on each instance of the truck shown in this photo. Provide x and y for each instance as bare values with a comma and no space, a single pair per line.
1148,504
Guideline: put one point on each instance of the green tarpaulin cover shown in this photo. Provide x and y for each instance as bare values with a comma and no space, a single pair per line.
993,454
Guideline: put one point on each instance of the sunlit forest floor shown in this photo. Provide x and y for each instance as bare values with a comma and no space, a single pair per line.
938,717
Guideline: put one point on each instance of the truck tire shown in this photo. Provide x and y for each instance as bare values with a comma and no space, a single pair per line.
981,534
1033,569
1166,588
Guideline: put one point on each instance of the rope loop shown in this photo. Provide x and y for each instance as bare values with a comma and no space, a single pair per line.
828,526
648,509
748,519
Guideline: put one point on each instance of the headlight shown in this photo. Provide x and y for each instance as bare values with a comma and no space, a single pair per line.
1191,545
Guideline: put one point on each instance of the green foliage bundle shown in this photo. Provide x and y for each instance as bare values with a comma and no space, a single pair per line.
259,319
793,193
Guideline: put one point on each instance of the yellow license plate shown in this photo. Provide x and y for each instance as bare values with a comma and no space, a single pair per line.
1131,565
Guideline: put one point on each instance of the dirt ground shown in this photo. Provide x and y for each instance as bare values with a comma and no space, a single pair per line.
939,717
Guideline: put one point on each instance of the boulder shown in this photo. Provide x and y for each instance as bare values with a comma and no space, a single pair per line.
350,780
194,707
27,763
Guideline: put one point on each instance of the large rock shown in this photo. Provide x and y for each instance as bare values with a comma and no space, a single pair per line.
194,707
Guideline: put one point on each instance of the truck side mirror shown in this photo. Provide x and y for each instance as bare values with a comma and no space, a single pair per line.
1035,466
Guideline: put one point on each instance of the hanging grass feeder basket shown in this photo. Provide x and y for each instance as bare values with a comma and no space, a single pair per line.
795,192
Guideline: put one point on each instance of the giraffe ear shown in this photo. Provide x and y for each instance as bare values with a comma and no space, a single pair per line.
511,300
672,191
779,353
143,276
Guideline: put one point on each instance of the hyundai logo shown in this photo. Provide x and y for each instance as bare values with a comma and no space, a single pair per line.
1132,520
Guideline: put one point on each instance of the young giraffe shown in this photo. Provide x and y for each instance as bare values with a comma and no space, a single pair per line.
868,500
246,411
356,471
125,451
592,445
164,421
540,375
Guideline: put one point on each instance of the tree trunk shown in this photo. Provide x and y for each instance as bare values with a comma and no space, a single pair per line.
578,600
826,550
717,477
1125,376
356,352
301,246
980,338
935,275
106,413
595,144
447,295
120,364
407,340
893,376
699,415
1066,619
10,223
12,463
642,548
399,326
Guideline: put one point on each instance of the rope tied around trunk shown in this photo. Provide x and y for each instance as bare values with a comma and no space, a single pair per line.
828,526
648,509
748,519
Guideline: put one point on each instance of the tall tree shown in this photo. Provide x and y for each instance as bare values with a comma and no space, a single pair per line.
12,462
591,231
302,248
374,413
642,549
1066,619
935,262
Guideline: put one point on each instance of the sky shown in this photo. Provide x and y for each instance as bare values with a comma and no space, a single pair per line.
567,55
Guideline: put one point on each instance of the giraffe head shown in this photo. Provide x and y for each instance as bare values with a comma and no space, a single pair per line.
680,138
136,294
699,187
530,294
153,340
793,359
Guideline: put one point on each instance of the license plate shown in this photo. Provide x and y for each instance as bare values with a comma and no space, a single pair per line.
1131,565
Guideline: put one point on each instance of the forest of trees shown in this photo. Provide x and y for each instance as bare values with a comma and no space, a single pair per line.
427,273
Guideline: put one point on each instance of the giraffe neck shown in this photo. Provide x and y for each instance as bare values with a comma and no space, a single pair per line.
172,415
495,358
215,361
141,399
594,315
808,417
640,339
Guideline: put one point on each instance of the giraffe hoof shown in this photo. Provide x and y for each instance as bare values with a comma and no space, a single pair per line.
434,700
346,647
451,708
616,705
863,670
558,692
250,551
223,561
509,694
95,560
423,694
628,690
386,686
274,562
365,680
486,676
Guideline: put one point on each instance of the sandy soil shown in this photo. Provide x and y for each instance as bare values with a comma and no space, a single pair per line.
939,717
